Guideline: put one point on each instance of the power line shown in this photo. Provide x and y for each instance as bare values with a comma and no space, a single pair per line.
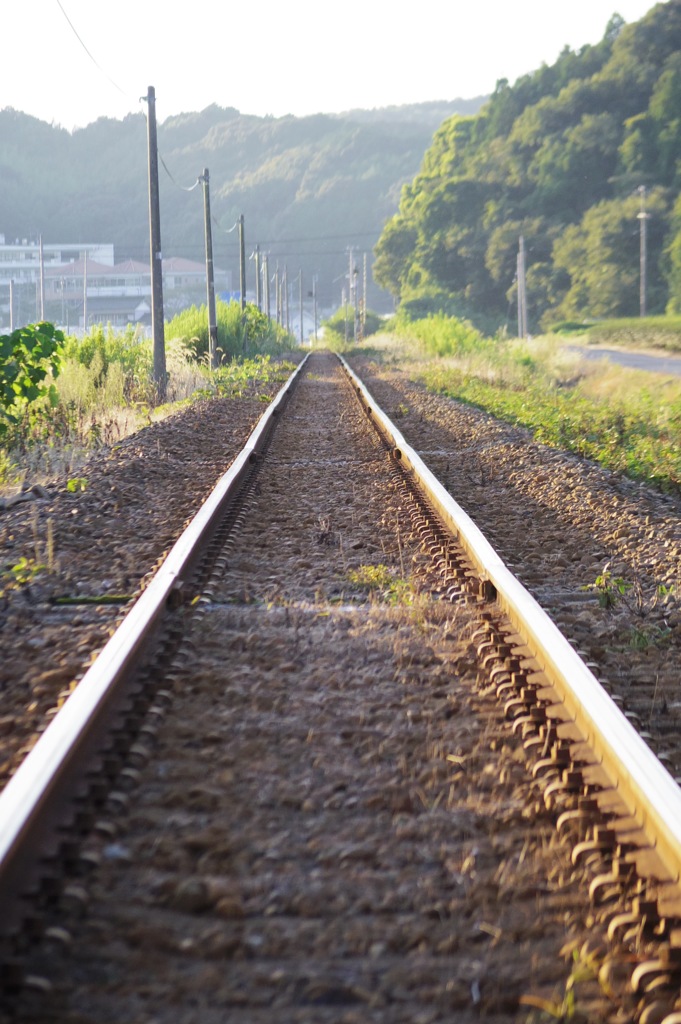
98,66
183,188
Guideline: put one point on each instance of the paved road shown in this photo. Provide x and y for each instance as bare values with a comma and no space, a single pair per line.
636,360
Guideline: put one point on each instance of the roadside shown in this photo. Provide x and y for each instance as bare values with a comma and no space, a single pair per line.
651,362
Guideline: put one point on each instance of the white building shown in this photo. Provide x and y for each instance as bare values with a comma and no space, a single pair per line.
81,285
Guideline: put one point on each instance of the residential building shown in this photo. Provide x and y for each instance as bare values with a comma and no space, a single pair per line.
81,285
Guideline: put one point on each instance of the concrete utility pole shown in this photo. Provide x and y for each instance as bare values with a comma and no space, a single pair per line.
11,305
643,218
522,296
258,281
266,275
355,328
364,294
285,298
314,304
210,277
156,258
242,262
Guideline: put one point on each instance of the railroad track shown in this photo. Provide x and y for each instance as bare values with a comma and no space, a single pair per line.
332,786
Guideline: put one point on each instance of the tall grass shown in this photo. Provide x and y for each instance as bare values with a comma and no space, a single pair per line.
626,420
105,390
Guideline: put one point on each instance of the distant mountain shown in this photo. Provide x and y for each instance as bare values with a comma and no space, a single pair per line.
309,188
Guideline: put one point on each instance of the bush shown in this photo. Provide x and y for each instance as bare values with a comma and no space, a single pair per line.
117,362
240,333
442,335
28,356
335,326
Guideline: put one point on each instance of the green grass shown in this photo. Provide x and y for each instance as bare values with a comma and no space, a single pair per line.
105,391
628,421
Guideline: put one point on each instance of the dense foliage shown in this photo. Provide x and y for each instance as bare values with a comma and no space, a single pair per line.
29,359
240,333
559,158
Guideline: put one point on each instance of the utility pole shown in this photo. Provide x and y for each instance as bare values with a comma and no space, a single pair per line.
156,258
266,274
300,294
42,279
355,328
350,284
210,278
11,305
364,294
258,281
522,298
286,309
277,292
84,292
242,262
314,304
643,256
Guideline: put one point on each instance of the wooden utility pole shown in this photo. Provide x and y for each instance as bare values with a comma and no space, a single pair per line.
210,278
156,258
242,262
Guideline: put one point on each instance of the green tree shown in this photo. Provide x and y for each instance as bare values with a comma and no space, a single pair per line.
601,258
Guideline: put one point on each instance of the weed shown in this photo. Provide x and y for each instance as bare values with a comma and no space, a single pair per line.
18,575
610,589
76,485
382,582
565,1007
642,638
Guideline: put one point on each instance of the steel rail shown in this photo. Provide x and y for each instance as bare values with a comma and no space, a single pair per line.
650,793
35,801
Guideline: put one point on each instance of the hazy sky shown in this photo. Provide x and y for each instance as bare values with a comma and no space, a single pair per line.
276,57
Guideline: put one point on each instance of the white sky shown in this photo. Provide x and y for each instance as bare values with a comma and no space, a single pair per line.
277,57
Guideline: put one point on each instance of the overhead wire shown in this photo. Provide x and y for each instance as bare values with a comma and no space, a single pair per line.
183,188
190,188
94,61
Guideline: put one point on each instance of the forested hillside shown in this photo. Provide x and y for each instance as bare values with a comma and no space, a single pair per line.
309,188
560,157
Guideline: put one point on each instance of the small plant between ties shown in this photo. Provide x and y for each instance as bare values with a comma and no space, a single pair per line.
382,582
610,589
